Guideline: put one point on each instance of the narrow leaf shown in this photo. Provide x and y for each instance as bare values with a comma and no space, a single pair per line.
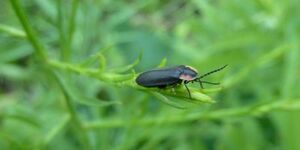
76,96
163,63
128,67
12,31
165,100
56,129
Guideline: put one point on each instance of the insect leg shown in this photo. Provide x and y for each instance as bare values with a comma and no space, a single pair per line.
185,84
200,82
201,85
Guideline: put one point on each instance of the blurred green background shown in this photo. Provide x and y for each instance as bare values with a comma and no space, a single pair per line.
65,105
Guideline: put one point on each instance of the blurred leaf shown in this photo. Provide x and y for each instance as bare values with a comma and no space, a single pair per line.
13,72
14,54
78,97
56,129
163,63
266,58
128,67
12,31
23,118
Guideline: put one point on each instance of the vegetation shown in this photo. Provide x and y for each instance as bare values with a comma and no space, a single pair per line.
68,69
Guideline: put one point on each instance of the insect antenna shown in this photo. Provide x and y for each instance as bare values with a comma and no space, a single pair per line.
214,71
213,83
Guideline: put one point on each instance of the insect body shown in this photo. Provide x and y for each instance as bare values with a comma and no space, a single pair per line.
173,76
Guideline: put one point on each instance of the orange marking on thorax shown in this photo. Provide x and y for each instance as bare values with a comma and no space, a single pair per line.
186,77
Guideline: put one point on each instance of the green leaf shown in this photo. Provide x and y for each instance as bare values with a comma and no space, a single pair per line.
165,100
111,77
181,92
13,72
56,129
270,56
163,63
14,54
12,31
97,58
76,95
128,67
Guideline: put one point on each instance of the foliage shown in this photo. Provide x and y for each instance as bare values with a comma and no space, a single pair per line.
68,69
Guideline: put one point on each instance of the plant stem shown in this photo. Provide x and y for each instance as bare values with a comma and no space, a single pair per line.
66,51
74,116
213,115
41,52
128,80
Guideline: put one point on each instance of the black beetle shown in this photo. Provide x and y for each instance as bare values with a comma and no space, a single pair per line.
173,76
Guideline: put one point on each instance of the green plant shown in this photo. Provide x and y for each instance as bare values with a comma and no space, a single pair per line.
70,91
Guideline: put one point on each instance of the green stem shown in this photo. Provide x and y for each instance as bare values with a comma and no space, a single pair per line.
60,27
129,81
71,30
72,20
213,115
41,52
74,116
